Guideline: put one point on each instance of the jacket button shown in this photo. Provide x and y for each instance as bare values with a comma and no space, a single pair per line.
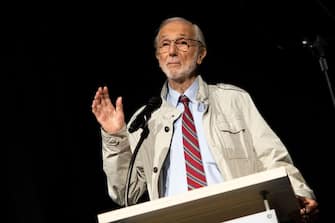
166,129
114,142
155,169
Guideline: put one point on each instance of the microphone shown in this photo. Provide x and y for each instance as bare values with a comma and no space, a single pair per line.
140,122
144,115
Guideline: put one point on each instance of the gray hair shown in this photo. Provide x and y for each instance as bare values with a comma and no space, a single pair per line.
198,33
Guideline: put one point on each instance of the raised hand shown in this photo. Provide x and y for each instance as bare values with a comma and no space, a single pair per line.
110,117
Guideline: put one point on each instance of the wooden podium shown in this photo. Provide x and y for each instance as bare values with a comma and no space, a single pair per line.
229,200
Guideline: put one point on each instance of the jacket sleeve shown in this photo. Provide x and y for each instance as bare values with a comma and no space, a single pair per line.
116,154
270,150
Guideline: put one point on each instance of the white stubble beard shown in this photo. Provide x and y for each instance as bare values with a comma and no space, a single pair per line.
181,73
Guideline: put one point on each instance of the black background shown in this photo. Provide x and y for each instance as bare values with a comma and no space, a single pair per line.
56,55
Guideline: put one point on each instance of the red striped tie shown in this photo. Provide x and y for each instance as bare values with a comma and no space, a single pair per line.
194,168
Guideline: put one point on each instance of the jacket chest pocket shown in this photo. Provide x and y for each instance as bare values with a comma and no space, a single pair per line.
235,138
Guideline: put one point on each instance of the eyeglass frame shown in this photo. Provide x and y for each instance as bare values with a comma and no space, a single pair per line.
160,45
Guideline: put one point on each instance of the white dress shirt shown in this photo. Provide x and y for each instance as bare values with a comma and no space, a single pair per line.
175,170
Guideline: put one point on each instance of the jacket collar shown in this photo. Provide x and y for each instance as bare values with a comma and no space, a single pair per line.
202,95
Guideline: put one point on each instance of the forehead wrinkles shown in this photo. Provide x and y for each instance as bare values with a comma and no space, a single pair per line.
176,29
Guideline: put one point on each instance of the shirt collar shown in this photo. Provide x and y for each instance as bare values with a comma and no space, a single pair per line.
191,93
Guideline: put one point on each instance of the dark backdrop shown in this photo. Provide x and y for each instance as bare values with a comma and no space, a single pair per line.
56,55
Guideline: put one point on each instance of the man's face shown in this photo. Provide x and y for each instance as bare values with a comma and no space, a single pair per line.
177,53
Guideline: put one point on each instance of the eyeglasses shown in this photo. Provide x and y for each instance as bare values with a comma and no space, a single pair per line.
182,44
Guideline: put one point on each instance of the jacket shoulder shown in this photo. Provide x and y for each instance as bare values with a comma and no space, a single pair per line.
229,87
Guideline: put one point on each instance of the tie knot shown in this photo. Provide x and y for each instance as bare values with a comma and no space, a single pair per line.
184,99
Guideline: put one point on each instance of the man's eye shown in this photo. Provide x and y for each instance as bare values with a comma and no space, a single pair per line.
165,44
182,42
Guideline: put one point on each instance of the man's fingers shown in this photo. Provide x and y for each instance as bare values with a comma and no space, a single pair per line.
119,105
105,99
102,101
105,92
97,99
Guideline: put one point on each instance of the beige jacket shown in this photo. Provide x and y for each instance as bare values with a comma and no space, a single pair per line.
239,138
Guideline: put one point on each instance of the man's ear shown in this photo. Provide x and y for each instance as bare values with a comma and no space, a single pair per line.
201,55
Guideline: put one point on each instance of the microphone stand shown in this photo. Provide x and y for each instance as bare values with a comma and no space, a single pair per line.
324,69
318,50
144,135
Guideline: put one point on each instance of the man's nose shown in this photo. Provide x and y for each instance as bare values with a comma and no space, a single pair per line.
173,48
